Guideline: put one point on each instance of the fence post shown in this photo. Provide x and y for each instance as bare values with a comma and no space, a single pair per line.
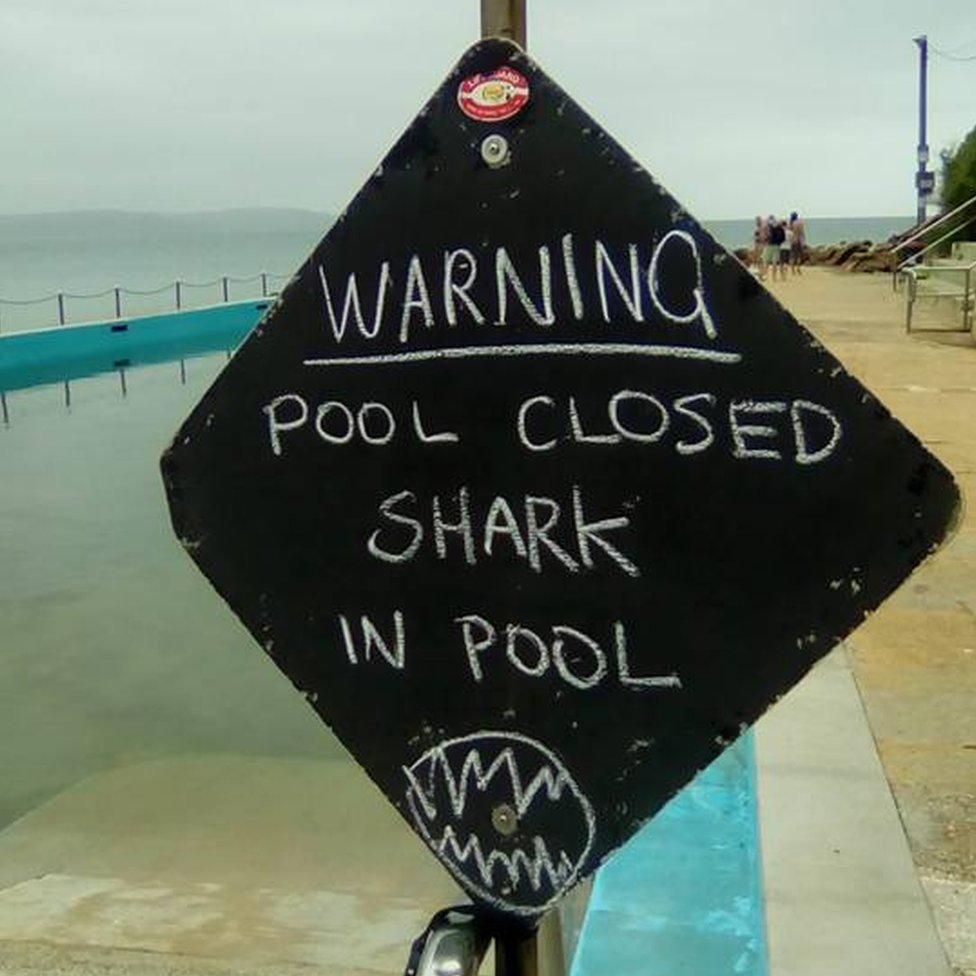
968,303
61,316
223,285
179,296
118,302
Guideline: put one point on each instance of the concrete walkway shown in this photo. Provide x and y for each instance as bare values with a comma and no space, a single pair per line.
842,895
915,658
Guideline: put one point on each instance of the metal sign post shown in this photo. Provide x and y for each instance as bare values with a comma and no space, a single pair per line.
504,18
924,179
517,953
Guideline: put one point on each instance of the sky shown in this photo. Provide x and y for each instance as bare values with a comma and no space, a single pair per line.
738,108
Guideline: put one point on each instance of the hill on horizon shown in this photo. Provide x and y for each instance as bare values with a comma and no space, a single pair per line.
109,224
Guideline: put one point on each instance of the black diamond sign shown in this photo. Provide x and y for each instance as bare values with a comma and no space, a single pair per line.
534,492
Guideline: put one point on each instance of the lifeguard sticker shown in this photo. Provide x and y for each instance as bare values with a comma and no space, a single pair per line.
493,97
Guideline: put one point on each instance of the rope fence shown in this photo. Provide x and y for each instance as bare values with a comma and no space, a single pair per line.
175,288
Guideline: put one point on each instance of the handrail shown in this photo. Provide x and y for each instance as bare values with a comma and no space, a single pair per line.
136,291
935,223
119,290
949,269
967,304
913,258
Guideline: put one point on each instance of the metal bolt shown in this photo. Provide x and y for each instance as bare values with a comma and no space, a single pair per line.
494,151
504,820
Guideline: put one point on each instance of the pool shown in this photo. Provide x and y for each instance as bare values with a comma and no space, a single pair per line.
159,770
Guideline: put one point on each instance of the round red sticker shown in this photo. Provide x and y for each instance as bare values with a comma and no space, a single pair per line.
493,97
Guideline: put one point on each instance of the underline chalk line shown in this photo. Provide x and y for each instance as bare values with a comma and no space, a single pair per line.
537,349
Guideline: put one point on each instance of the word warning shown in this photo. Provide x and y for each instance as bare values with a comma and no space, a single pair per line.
534,492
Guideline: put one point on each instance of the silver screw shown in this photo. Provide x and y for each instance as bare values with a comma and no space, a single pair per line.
504,819
494,151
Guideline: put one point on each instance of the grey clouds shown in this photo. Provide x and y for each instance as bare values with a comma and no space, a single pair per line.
737,108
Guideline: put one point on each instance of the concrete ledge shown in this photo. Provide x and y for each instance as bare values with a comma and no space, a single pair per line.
201,859
842,894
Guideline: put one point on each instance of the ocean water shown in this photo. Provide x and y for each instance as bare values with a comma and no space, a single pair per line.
820,230
92,252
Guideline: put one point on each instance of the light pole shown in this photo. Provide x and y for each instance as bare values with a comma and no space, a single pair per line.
504,18
924,179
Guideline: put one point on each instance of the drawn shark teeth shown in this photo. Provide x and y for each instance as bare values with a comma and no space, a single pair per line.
454,785
473,772
537,865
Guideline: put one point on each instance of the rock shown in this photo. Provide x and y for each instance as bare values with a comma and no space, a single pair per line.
876,258
844,252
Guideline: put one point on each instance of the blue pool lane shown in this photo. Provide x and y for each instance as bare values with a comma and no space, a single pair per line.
684,897
70,352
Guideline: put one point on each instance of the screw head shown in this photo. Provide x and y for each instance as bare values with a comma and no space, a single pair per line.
504,819
495,151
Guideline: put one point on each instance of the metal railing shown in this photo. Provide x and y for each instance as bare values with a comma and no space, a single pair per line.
931,225
177,288
966,295
912,260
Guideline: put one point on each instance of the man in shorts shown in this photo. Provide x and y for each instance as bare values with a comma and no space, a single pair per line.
775,238
798,244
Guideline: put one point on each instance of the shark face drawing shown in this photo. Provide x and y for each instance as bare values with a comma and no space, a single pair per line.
504,815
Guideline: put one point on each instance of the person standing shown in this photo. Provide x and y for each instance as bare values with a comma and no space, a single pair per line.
775,238
798,245
758,243
784,251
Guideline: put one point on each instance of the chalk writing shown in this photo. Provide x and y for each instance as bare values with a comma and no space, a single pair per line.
544,538
454,290
641,417
394,653
351,304
534,656
631,417
724,357
741,432
803,454
337,424
459,270
699,310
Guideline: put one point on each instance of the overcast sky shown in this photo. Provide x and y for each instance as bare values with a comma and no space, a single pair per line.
738,108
